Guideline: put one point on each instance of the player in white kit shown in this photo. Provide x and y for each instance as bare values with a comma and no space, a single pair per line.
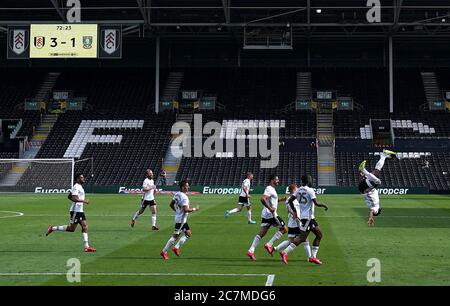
369,184
269,218
179,204
244,199
77,216
148,199
293,224
306,197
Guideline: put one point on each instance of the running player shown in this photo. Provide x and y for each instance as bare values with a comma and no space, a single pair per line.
148,199
293,224
179,204
306,196
369,184
244,199
77,216
269,218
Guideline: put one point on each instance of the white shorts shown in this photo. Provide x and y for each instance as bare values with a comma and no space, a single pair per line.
372,200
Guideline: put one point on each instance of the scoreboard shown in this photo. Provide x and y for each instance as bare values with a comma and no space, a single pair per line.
47,41
382,132
63,40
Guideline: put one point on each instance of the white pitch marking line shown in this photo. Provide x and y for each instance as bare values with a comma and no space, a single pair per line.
128,274
122,216
16,214
270,279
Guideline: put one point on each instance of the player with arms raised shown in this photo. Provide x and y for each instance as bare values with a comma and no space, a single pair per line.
244,199
77,216
148,199
269,218
369,184
179,204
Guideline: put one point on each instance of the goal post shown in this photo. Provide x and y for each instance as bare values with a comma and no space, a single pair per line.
42,175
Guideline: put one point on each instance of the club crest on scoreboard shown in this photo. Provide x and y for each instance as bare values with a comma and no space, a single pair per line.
18,41
87,42
39,42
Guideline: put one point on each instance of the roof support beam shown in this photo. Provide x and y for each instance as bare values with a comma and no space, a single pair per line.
59,10
143,9
226,10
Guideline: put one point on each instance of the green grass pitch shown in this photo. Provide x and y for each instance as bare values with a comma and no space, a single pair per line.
411,240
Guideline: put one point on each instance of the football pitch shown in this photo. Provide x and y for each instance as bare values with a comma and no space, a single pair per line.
410,239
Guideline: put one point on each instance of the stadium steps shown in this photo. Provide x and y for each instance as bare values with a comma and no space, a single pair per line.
431,87
173,86
326,162
47,85
304,85
174,154
14,174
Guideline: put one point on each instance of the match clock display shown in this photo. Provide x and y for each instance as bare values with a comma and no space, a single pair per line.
63,41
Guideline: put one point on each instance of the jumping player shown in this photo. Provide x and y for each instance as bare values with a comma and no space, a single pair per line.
369,184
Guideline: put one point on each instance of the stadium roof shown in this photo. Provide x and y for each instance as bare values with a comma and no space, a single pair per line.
225,19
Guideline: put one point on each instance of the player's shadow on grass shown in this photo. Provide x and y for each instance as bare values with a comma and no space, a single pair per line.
410,217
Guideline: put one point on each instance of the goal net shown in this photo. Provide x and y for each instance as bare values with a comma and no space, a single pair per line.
41,175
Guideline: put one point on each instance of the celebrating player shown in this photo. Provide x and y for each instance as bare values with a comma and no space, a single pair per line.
269,218
306,196
179,204
148,199
244,199
293,224
369,184
77,216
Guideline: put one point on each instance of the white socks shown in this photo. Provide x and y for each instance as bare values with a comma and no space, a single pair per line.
290,248
275,237
136,215
169,244
153,219
234,210
249,215
85,240
307,248
62,228
314,251
254,243
181,241
282,245
380,163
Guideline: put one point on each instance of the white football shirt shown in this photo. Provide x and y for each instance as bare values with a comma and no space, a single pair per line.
149,195
245,184
181,200
305,196
291,221
78,190
273,202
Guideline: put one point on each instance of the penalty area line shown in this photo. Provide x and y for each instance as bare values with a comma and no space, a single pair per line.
269,281
14,214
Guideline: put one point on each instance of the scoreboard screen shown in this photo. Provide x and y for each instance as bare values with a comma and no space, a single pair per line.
383,135
63,41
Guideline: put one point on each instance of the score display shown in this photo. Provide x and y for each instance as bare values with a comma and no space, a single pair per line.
63,41
382,132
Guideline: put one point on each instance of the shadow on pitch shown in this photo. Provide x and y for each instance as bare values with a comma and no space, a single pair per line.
410,217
